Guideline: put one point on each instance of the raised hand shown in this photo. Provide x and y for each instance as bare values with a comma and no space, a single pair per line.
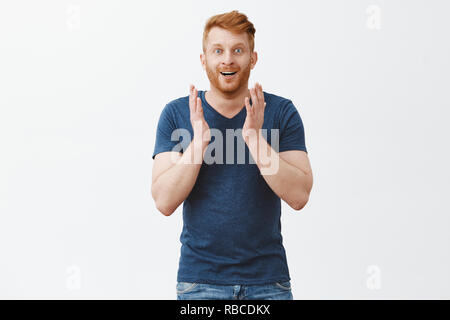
198,122
255,113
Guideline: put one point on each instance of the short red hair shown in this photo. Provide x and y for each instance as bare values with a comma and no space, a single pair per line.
233,21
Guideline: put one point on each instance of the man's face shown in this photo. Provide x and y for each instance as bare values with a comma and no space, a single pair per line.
228,52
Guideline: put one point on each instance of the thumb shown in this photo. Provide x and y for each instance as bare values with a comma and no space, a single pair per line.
247,105
199,105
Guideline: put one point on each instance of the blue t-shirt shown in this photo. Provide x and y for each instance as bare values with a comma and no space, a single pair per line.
231,219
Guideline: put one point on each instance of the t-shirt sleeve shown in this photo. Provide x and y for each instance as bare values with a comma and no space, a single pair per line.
166,125
292,133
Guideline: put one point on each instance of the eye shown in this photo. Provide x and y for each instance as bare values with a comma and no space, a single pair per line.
217,50
239,49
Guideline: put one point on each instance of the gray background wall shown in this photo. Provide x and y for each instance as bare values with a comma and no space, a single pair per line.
82,84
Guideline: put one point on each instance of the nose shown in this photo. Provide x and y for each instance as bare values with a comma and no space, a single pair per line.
227,58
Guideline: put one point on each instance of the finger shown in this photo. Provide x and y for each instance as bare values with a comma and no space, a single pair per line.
260,94
195,99
191,98
254,97
199,105
247,105
256,88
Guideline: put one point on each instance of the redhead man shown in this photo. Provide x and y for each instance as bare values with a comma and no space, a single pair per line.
231,239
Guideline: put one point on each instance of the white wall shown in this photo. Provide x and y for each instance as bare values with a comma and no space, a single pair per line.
82,84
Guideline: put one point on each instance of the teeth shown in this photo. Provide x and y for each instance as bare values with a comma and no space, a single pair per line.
228,73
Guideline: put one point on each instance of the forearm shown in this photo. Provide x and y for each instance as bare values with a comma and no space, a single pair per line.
173,186
287,181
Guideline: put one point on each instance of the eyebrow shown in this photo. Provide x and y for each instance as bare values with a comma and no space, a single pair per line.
237,44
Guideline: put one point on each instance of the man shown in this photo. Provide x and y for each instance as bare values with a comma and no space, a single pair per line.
231,239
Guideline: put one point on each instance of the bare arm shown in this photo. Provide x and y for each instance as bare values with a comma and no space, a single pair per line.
174,174
287,173
291,178
172,183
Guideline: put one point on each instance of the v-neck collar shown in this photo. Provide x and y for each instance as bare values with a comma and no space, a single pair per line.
205,103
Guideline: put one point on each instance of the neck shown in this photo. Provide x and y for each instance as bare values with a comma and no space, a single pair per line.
227,101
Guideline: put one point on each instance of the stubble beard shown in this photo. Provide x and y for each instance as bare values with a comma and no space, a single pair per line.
229,88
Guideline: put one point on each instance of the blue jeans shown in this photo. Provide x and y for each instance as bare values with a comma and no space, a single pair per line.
203,291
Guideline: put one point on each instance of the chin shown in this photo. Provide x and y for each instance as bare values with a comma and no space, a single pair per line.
229,88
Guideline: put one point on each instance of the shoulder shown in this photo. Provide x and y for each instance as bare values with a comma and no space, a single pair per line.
176,109
178,104
276,100
279,105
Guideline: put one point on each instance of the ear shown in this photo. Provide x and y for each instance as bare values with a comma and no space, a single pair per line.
253,59
202,60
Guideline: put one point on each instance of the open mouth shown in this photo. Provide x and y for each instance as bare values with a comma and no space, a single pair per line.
228,74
